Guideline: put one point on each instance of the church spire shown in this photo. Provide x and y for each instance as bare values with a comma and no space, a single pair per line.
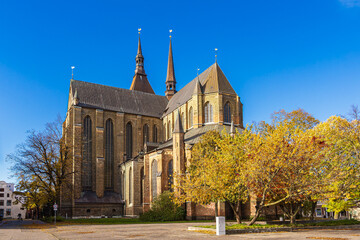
139,58
170,76
140,81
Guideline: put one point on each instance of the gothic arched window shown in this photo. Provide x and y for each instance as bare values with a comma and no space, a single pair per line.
183,121
169,130
141,184
208,110
145,134
109,154
190,117
123,185
130,185
129,140
86,166
154,179
227,113
155,134
170,174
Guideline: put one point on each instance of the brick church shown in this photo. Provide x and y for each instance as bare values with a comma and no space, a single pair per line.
127,143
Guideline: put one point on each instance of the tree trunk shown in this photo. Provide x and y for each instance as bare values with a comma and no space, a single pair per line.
336,215
291,210
216,208
37,212
237,211
257,214
292,219
313,207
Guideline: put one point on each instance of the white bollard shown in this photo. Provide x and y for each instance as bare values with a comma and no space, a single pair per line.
220,226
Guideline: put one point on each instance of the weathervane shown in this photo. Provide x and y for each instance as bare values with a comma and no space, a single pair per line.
139,30
198,69
170,31
216,54
72,72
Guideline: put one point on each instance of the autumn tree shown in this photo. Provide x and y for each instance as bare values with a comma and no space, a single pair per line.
215,171
342,160
40,163
283,168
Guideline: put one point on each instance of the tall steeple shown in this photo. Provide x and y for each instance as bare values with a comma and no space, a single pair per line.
140,81
139,59
170,76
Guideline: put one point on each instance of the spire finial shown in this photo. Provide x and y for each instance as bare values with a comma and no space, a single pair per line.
170,31
72,72
216,55
139,30
197,72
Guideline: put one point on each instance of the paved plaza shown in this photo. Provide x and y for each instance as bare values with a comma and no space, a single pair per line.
22,230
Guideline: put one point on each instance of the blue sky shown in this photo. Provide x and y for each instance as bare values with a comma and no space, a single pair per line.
276,54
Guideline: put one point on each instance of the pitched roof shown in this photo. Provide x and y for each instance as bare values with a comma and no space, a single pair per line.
98,96
212,79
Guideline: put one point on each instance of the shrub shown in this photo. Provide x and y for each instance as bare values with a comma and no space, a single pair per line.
163,209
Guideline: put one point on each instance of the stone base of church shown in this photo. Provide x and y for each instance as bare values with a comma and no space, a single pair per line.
89,210
133,210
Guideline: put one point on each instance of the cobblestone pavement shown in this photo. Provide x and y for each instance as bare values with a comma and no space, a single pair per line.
16,230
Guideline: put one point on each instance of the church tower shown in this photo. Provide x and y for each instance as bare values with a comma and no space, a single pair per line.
170,76
140,81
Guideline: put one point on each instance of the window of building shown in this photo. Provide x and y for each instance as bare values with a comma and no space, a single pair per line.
154,179
1,212
227,113
130,186
169,130
8,195
128,140
1,202
170,175
123,185
155,134
1,195
8,203
141,184
183,121
145,134
109,154
208,111
190,117
8,212
86,165
1,189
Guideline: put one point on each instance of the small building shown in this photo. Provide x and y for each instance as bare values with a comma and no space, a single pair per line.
11,204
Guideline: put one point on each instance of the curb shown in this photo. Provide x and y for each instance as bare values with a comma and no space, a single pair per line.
282,229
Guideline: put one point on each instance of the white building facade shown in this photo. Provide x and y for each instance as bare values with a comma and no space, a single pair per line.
11,204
